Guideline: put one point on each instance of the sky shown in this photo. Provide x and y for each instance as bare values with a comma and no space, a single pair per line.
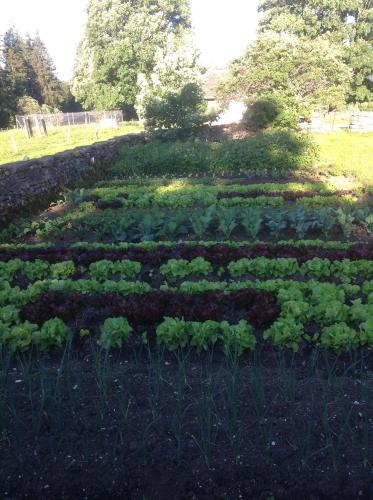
223,28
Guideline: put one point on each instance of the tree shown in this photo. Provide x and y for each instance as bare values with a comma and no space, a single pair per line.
68,103
121,41
288,74
305,73
27,75
19,71
48,87
5,99
346,23
175,66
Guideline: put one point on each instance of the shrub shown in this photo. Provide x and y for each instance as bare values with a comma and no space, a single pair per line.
271,112
27,105
273,154
177,112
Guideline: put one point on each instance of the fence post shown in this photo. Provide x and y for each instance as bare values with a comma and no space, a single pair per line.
43,127
37,124
13,142
29,130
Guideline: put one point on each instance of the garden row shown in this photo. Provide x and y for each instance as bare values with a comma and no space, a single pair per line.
240,294
285,313
182,195
177,269
155,253
86,222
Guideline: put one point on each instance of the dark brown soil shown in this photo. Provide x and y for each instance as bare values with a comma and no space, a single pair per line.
147,425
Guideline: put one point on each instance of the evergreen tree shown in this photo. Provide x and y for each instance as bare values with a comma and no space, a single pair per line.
347,23
6,99
47,88
27,74
122,39
16,60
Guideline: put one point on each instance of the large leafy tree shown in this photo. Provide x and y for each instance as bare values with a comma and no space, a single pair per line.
299,72
175,66
122,40
347,23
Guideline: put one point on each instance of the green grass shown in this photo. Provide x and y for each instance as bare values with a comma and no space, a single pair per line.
57,140
348,153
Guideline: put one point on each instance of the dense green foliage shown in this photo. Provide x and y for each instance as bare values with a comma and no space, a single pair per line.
179,112
213,221
345,23
271,112
314,54
121,44
28,81
342,312
225,294
299,72
114,332
275,153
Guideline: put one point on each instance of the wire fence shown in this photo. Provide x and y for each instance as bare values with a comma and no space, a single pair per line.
103,118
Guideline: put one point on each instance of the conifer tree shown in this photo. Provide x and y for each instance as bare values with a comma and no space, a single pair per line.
47,86
26,72
6,99
17,65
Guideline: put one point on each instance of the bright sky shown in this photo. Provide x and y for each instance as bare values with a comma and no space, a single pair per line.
223,28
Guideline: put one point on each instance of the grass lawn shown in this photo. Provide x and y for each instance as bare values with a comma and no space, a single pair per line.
348,153
57,140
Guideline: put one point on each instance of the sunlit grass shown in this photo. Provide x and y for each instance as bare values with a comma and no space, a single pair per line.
347,153
58,139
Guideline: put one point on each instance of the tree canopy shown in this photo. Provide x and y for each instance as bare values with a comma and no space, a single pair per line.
46,82
346,23
307,73
122,40
28,79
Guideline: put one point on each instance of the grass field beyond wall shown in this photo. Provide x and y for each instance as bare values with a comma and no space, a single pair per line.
58,140
348,153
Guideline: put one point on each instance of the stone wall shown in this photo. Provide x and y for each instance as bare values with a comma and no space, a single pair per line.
357,121
362,122
34,183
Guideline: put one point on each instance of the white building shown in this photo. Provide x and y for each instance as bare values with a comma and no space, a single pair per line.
233,112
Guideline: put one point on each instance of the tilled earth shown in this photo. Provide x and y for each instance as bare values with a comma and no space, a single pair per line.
143,424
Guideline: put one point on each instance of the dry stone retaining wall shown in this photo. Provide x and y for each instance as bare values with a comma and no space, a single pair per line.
35,182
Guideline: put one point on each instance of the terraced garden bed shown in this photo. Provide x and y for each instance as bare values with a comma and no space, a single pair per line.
189,339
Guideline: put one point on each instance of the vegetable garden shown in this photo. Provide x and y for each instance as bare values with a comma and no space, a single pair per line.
189,329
